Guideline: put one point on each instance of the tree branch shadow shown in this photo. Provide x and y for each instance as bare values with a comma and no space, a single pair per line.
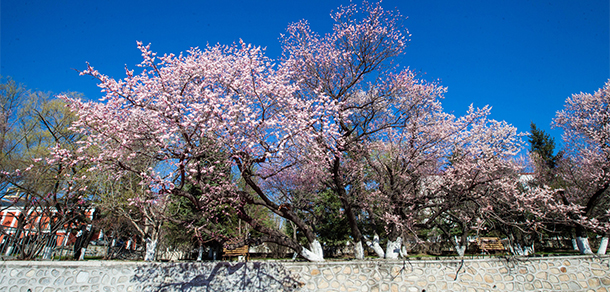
219,276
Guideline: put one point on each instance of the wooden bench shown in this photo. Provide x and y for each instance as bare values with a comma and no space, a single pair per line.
490,244
240,251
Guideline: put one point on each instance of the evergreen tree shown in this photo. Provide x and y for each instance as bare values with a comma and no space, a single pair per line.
543,145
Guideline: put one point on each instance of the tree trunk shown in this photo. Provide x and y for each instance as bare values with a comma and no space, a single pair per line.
348,211
151,249
376,247
393,248
529,250
403,251
582,240
583,245
574,244
200,254
358,250
462,244
461,250
603,246
314,253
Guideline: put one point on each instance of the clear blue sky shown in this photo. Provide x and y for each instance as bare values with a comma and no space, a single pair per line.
524,58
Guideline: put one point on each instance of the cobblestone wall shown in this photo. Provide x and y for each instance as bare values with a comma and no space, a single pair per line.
577,273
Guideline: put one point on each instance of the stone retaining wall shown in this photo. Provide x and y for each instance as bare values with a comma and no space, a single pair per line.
574,273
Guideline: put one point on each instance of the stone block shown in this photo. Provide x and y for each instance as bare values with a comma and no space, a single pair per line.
394,288
465,277
541,275
328,275
30,273
593,283
488,278
15,273
547,285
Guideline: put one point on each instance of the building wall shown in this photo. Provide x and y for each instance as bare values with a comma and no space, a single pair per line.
574,273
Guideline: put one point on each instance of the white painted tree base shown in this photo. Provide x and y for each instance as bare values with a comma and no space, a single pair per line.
315,253
583,245
358,250
200,254
376,247
461,250
393,249
574,244
403,251
603,246
528,250
151,250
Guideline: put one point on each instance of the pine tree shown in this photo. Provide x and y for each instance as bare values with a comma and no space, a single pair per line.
543,145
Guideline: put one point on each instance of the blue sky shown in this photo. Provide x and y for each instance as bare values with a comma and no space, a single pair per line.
524,58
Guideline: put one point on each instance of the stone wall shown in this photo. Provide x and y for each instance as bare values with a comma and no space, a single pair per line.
574,273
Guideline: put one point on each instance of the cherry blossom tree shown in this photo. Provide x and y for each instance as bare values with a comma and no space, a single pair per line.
445,172
585,167
227,100
353,66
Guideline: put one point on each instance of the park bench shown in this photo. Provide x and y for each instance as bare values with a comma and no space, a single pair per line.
490,244
240,251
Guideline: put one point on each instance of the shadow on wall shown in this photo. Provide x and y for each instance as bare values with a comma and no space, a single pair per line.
220,277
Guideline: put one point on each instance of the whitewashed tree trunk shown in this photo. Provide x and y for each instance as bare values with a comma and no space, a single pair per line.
200,254
376,247
403,251
358,250
82,254
461,250
393,249
583,245
574,244
511,249
603,246
129,242
518,250
9,251
151,249
315,253
528,250
213,254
